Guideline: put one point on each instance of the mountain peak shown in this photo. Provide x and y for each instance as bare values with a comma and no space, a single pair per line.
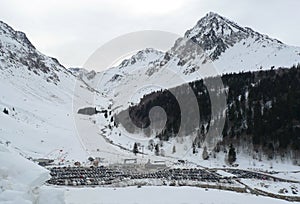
215,33
6,30
18,53
143,56
211,15
214,24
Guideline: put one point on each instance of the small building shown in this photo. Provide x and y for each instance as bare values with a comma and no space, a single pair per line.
88,111
155,165
130,161
44,162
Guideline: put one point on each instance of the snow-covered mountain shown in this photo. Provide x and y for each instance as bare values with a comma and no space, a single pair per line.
18,52
39,103
232,48
39,100
229,48
78,71
108,80
214,46
38,94
215,34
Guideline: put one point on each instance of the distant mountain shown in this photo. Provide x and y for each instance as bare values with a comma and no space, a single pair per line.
136,66
215,34
214,46
78,71
230,48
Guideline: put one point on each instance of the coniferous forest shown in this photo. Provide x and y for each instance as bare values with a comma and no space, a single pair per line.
262,112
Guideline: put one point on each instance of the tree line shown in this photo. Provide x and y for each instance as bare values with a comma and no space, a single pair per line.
262,112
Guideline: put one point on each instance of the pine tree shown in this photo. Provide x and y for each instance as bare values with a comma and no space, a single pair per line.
156,149
135,148
202,131
5,111
194,148
231,155
174,149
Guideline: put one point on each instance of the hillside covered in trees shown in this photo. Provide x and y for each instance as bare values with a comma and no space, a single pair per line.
262,112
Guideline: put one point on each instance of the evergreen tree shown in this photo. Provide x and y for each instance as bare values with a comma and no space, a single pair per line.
231,155
202,131
262,108
135,148
174,149
194,148
5,111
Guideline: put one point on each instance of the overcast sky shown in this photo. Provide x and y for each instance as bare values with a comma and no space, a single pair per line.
71,30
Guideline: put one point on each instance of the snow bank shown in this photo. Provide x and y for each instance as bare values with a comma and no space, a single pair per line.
19,178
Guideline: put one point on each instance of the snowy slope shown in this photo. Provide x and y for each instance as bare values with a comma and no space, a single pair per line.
129,69
39,94
42,99
16,184
253,55
165,194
